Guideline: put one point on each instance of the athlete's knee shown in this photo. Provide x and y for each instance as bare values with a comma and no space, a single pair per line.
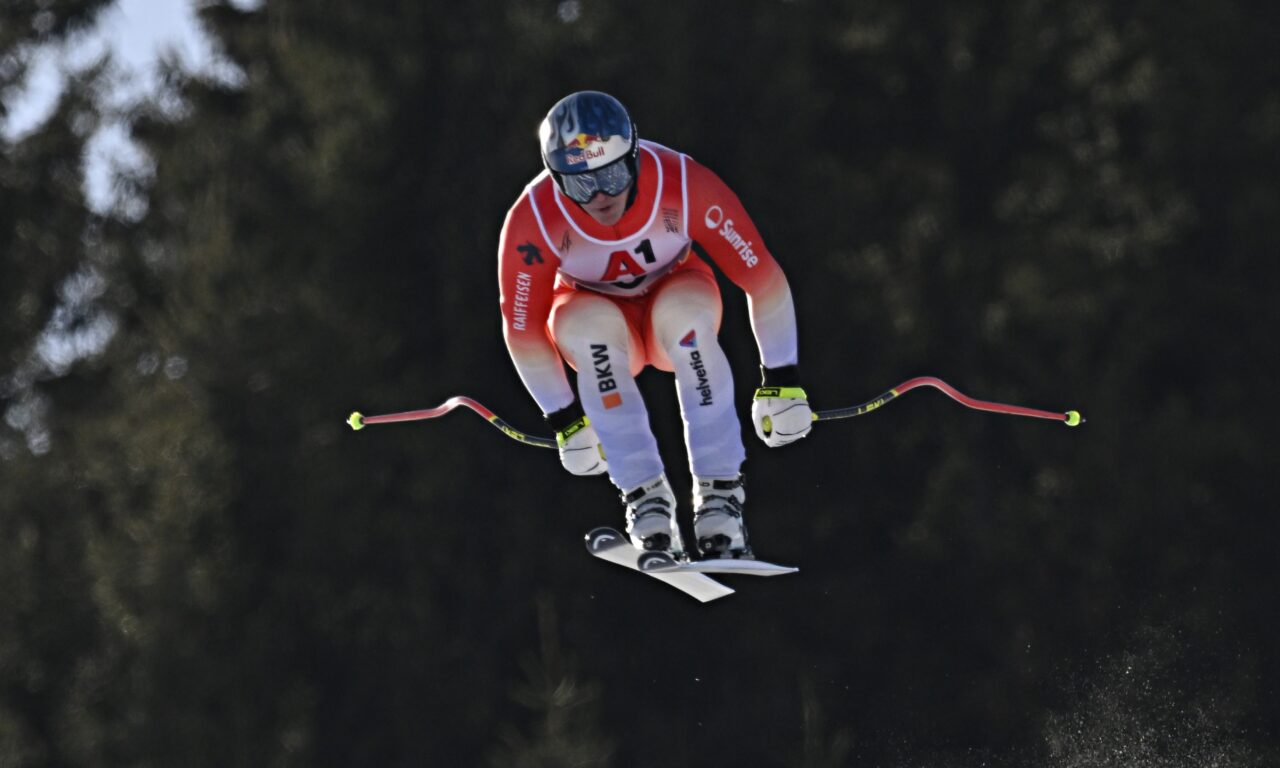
586,315
679,313
583,325
673,323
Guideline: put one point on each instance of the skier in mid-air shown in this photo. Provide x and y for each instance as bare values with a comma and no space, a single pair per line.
596,270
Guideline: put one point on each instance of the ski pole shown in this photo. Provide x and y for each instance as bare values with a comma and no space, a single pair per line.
1070,418
358,421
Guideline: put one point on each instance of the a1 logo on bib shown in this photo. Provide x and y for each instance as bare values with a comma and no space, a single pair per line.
624,271
622,266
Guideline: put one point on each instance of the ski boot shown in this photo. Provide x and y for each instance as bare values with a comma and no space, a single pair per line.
717,518
651,518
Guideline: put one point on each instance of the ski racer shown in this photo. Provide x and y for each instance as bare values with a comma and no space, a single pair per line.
601,266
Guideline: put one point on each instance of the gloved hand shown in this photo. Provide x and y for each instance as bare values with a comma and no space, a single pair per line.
580,449
780,411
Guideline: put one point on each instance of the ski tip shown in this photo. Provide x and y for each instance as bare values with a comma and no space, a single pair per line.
598,538
656,561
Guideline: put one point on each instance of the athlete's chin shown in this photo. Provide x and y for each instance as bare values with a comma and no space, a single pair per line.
612,217
607,215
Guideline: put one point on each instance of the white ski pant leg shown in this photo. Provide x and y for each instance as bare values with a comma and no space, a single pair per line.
593,336
685,318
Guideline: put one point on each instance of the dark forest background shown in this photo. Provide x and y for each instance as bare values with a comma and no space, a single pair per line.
1060,204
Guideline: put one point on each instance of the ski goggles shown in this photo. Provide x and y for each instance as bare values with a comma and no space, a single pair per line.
613,179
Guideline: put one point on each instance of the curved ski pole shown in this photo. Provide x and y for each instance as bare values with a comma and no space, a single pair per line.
358,421
1070,418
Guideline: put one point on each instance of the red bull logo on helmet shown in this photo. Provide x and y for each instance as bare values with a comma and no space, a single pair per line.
583,140
584,148
588,151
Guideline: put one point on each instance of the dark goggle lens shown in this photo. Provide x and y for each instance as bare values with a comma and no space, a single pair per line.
611,180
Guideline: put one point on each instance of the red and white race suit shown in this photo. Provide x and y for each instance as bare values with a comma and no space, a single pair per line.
611,299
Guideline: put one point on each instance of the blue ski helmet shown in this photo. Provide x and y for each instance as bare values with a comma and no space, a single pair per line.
589,145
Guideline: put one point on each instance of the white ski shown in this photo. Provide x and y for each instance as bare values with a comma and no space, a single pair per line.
608,544
727,565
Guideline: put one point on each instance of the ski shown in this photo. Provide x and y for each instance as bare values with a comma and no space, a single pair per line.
613,546
726,565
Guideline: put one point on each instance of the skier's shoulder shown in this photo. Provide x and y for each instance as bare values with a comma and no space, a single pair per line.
524,200
521,215
659,149
662,152
697,176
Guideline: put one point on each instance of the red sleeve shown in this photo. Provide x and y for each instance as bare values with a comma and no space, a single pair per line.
526,278
719,223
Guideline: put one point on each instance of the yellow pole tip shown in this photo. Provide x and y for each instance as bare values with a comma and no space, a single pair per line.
1074,418
356,420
